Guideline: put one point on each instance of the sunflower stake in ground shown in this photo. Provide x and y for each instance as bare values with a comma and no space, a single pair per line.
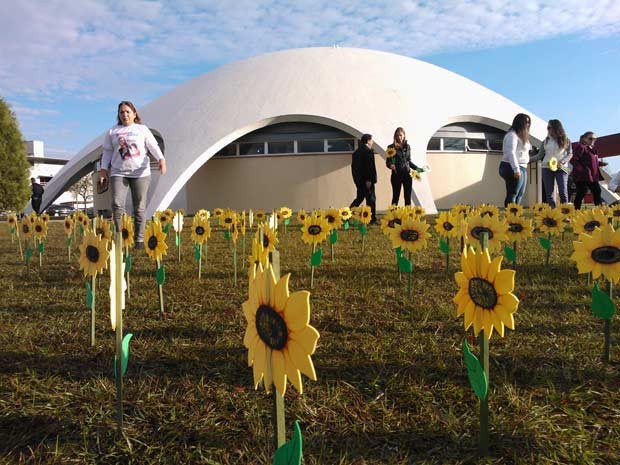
94,256
278,335
156,247
485,298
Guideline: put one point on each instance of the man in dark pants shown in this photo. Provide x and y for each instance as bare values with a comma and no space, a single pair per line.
37,195
365,175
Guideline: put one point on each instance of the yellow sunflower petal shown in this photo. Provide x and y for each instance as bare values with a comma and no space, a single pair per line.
504,281
301,359
281,293
307,338
497,323
292,373
258,365
470,309
279,374
297,310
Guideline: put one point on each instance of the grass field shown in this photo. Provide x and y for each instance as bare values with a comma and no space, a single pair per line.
392,386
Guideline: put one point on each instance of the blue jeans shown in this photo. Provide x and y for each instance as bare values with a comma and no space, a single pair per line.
139,188
549,178
515,188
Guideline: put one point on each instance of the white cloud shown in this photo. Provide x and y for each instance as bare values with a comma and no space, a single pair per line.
95,49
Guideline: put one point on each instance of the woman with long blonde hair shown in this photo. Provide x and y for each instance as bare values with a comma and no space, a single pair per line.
555,153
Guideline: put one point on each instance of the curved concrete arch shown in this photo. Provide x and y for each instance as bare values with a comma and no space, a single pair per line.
355,90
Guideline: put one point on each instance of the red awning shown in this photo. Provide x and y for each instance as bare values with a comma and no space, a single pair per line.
607,146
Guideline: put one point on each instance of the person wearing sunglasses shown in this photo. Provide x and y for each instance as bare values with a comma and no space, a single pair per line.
586,172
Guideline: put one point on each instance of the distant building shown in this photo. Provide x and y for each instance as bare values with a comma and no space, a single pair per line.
279,129
45,168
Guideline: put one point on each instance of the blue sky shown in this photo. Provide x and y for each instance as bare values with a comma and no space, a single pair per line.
66,64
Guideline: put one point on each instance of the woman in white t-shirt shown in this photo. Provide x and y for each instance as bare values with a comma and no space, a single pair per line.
125,165
556,152
516,155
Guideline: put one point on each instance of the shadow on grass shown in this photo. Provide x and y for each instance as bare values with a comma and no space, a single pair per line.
24,433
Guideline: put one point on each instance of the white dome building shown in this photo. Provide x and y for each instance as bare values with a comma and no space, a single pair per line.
279,129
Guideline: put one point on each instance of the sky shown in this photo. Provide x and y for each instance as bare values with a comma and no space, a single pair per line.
65,65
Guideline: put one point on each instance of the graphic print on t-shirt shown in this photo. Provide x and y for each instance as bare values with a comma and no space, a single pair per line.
127,147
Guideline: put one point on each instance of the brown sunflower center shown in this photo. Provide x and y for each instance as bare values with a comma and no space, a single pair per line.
515,227
565,211
591,225
365,214
125,234
38,228
616,213
271,327
606,255
330,218
99,231
265,241
228,220
152,243
409,235
448,226
487,213
514,210
549,222
199,230
314,230
477,231
25,228
482,293
92,253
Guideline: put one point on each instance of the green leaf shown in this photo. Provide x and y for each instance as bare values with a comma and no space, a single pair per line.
545,243
12,230
176,239
167,228
287,221
405,265
127,263
444,246
227,235
160,275
41,247
89,295
197,256
28,254
290,452
355,222
475,373
510,254
345,225
399,252
317,257
602,305
69,241
362,228
124,355
333,236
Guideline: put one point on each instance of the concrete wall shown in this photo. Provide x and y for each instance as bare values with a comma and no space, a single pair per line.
324,180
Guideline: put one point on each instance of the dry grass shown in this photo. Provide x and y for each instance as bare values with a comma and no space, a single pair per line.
392,386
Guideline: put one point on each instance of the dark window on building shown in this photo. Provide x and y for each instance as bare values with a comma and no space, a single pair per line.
477,145
310,146
496,144
453,145
280,147
251,148
339,145
434,144
228,151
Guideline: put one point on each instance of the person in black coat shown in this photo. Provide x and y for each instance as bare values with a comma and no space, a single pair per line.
398,159
365,175
37,195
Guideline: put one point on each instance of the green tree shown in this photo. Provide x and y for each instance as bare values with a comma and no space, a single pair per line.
14,167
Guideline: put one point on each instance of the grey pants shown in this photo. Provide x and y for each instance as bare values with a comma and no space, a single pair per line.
139,188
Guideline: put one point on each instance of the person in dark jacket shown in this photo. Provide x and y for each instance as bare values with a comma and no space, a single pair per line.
37,195
364,174
586,173
398,159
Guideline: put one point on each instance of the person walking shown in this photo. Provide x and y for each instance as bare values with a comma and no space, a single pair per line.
37,195
555,153
398,159
364,173
586,172
125,165
516,155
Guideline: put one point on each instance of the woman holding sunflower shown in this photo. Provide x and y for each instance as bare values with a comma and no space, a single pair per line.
125,165
556,153
398,159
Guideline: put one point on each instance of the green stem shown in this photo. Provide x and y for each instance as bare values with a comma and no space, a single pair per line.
484,403
409,278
